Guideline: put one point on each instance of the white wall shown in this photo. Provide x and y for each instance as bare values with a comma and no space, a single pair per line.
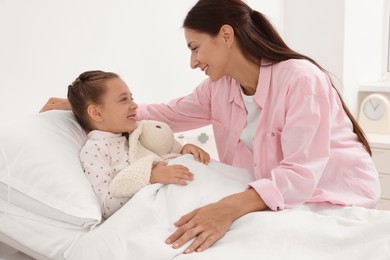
346,37
45,44
365,45
316,28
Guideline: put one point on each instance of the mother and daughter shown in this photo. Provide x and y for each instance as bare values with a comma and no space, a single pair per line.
273,111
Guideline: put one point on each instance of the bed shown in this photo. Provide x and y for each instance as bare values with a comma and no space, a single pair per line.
49,211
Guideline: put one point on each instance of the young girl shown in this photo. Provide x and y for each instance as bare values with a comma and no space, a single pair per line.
103,105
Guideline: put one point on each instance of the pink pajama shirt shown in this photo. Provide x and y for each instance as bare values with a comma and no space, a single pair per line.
102,157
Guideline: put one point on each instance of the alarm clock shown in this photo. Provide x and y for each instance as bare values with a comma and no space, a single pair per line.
374,115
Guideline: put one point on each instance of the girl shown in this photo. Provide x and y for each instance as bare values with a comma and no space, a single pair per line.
103,105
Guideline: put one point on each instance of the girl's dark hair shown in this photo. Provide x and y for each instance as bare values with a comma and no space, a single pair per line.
256,38
86,89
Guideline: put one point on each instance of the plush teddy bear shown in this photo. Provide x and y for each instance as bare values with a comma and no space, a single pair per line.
151,142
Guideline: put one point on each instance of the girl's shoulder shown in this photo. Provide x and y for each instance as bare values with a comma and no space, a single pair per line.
100,140
102,135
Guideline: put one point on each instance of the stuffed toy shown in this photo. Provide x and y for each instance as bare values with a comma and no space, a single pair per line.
150,143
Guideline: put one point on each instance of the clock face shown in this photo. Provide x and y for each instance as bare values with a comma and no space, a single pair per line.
374,108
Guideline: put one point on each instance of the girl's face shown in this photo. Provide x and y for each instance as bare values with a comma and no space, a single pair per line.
210,54
118,110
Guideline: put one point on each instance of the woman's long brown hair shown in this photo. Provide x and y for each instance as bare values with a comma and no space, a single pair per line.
256,37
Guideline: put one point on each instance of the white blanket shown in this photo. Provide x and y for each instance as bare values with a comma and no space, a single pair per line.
139,229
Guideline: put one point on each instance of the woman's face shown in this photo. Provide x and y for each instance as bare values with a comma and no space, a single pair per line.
210,54
118,110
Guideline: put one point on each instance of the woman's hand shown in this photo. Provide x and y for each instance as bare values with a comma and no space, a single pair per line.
56,104
176,174
199,154
208,224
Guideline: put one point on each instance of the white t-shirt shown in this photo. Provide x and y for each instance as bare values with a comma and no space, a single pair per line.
252,119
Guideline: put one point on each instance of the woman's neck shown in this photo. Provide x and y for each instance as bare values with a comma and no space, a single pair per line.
243,70
247,74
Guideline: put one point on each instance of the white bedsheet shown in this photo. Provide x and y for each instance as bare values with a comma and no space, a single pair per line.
40,237
139,229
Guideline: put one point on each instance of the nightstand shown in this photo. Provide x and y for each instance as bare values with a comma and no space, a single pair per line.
380,146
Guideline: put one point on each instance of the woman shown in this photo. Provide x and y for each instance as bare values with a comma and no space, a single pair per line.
272,110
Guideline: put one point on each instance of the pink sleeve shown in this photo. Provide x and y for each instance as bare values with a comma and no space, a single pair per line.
183,113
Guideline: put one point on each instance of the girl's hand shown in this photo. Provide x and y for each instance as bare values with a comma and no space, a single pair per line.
176,174
199,154
56,104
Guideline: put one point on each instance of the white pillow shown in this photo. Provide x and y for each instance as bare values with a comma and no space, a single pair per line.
40,169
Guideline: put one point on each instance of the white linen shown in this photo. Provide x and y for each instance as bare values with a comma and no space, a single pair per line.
38,236
40,169
8,253
138,230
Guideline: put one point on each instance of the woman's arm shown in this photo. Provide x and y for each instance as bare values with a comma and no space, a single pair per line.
183,113
56,104
208,224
